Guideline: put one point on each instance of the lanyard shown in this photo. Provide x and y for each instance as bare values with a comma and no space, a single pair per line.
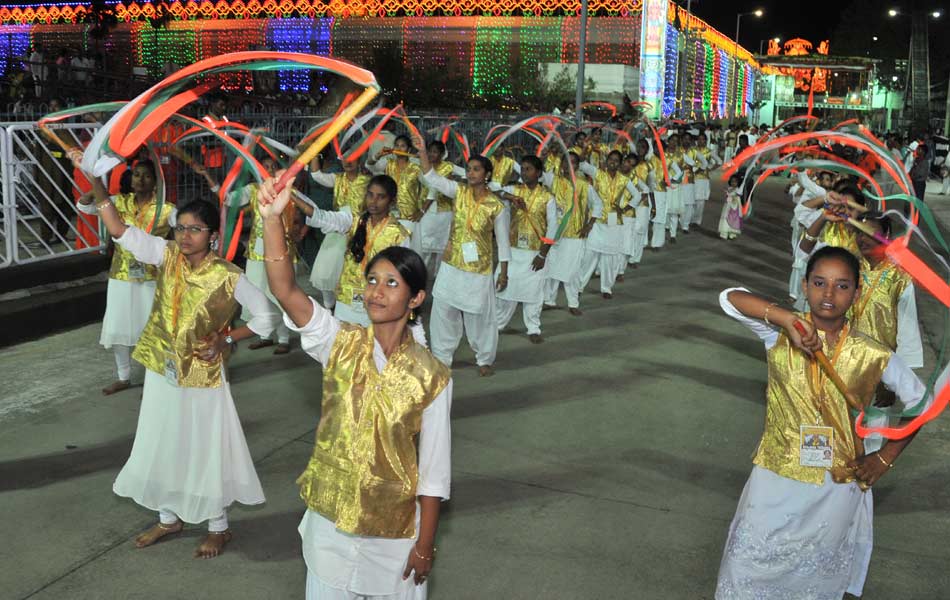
817,376
178,291
139,218
869,291
468,217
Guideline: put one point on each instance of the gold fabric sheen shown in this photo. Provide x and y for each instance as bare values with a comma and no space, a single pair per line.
142,217
502,166
611,190
552,163
257,227
875,312
564,197
364,469
350,193
473,221
529,225
444,203
203,300
702,173
408,189
656,165
842,236
352,281
793,400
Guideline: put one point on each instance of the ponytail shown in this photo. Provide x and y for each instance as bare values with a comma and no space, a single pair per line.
358,242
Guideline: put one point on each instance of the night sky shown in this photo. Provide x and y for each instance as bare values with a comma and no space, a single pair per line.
812,20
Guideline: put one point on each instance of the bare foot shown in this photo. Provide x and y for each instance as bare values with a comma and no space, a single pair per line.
485,371
672,240
619,278
212,545
157,532
549,307
635,265
260,344
536,338
282,349
575,311
606,295
116,386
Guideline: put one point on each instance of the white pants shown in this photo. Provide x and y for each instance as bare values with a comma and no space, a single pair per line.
641,233
688,190
448,323
408,590
329,299
659,220
432,261
702,194
123,362
946,186
607,264
571,291
530,314
672,222
217,525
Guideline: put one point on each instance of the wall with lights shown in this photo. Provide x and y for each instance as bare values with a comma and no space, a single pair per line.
485,46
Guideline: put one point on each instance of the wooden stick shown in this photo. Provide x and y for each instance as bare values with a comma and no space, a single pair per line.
829,370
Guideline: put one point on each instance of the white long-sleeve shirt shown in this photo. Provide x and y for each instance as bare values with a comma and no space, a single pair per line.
897,376
466,291
150,250
373,566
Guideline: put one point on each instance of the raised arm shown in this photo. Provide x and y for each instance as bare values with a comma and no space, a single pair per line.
277,261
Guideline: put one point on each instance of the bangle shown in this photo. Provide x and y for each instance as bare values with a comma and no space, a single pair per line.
810,238
419,556
881,458
766,316
103,204
282,257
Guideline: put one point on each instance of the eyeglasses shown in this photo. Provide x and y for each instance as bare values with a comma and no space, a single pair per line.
192,229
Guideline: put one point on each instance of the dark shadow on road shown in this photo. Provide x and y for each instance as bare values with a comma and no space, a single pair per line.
38,471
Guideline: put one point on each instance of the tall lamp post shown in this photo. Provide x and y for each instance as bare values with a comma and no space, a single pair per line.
735,86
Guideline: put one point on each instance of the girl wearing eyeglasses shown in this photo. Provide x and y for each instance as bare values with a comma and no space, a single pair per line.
190,460
131,283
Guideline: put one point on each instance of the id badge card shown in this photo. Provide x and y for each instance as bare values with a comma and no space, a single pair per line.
136,271
470,252
522,240
612,218
817,446
171,369
560,213
259,246
357,302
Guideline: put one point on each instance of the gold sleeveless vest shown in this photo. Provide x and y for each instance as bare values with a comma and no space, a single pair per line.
875,311
502,168
444,203
564,196
798,394
352,281
255,241
527,227
351,194
611,191
702,173
553,163
408,189
473,221
189,305
842,236
364,468
656,165
122,260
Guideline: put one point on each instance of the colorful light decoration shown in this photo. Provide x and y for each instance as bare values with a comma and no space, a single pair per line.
669,84
14,42
492,50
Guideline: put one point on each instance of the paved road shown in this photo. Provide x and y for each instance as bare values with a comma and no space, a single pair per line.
605,463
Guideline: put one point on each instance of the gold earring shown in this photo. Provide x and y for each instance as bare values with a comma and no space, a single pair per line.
412,314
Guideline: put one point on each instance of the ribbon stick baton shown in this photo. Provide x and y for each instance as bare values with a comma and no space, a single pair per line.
829,370
328,134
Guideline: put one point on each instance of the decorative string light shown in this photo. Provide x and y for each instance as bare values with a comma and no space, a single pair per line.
492,64
709,75
539,41
672,56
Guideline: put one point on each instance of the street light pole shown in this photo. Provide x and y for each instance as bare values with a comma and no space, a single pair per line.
735,56
582,52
